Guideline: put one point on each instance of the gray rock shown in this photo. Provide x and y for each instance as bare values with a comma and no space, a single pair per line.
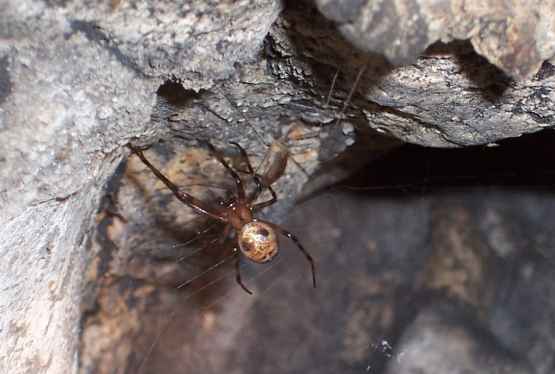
515,36
79,80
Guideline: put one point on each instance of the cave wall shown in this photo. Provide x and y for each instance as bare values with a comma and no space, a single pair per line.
79,80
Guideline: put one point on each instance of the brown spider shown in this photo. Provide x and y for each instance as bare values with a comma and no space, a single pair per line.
256,239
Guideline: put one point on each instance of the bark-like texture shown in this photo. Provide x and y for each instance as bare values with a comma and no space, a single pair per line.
78,80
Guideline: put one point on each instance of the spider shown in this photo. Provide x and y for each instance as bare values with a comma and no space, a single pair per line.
256,239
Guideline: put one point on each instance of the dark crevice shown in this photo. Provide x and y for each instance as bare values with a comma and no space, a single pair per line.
5,83
173,92
527,161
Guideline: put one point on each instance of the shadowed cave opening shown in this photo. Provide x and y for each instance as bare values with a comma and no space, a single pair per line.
450,245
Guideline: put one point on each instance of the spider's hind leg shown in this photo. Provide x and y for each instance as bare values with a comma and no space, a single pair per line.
297,242
238,274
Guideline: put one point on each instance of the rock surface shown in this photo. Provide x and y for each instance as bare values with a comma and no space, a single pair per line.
516,36
450,269
79,80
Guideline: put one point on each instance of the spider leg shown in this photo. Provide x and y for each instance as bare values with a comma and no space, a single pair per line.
264,204
332,87
274,163
225,234
245,157
257,179
259,188
236,177
227,230
297,242
197,205
351,92
238,273
140,148
250,170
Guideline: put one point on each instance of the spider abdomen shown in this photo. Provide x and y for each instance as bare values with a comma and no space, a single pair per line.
258,241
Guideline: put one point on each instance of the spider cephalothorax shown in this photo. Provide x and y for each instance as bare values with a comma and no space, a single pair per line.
256,239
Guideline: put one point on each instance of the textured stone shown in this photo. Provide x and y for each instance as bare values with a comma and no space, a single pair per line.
80,79
514,35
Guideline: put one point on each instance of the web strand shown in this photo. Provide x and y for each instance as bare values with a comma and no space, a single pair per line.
174,313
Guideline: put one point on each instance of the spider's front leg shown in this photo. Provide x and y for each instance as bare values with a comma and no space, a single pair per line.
240,190
258,179
187,199
264,204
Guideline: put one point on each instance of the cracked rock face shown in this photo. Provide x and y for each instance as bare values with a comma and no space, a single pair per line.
80,79
516,36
